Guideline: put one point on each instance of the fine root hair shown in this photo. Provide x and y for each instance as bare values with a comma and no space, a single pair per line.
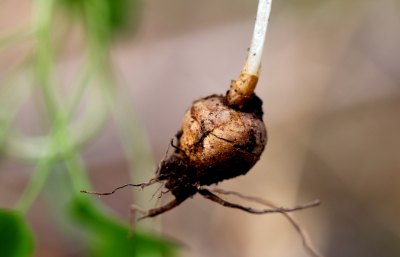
141,185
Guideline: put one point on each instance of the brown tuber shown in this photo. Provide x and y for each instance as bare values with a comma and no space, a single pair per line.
216,142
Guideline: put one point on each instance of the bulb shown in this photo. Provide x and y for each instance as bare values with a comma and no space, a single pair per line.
221,141
217,141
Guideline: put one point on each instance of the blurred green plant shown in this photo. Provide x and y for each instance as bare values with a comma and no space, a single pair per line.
102,22
108,237
15,236
117,17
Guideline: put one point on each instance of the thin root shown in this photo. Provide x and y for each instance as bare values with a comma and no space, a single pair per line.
307,243
163,193
176,147
156,211
159,189
210,196
141,185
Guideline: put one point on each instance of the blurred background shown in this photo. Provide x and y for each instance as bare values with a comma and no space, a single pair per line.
330,84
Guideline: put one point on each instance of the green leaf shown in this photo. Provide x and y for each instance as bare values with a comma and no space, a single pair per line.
16,238
109,237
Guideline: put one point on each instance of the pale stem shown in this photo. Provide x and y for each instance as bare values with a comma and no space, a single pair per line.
242,88
253,62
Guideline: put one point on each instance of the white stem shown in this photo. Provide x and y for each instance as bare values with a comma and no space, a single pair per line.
253,62
242,89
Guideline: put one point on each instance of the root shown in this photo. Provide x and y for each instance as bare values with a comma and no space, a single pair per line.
162,193
141,185
307,242
176,147
210,196
156,211
159,190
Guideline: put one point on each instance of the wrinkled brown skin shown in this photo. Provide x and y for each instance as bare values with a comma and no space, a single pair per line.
216,142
